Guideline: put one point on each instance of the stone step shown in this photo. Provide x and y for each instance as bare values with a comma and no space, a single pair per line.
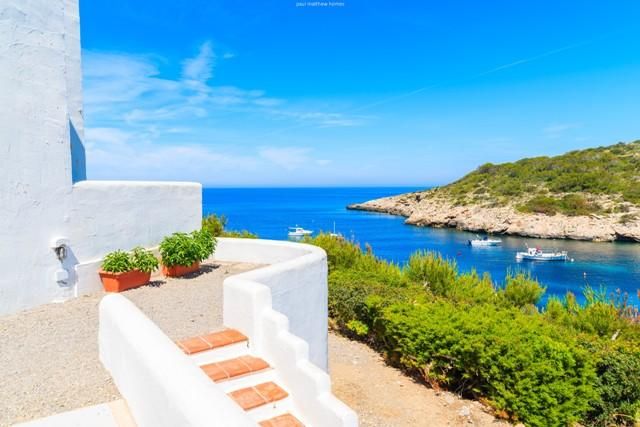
234,368
212,341
286,420
256,396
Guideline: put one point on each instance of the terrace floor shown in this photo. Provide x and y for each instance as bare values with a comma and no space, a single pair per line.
49,354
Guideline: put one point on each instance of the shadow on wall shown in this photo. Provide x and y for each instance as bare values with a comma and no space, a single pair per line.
78,156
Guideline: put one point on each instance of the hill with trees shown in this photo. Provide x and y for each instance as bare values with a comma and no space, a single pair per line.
591,194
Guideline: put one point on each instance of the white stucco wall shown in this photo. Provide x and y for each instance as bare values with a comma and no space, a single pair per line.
40,125
297,281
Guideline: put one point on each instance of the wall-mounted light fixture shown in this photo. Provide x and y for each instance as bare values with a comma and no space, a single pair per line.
59,246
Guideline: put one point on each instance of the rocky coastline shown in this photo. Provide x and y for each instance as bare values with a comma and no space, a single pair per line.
422,209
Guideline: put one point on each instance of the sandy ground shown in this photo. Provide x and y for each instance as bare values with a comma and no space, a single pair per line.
49,354
384,397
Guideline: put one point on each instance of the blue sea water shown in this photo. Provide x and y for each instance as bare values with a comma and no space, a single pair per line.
269,211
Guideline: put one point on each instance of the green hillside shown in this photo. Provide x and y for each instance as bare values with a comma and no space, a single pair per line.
597,180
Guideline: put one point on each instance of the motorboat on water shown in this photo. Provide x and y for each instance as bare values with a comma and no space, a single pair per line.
537,254
299,232
485,241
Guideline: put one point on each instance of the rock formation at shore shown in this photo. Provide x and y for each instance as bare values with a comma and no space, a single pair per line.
422,209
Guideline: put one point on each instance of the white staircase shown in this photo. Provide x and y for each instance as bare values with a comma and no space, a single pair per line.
255,386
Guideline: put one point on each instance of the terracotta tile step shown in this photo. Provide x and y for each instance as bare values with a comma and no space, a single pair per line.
286,420
261,394
232,368
211,341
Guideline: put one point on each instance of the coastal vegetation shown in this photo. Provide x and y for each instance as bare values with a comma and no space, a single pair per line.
554,364
592,181
217,226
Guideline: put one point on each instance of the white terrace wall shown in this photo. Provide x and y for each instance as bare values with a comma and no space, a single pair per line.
297,281
42,156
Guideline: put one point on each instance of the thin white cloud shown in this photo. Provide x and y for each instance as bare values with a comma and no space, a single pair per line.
556,130
142,124
200,68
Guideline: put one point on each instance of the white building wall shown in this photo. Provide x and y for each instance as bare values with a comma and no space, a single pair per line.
41,125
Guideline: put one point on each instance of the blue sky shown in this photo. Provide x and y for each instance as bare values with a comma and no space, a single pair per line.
271,93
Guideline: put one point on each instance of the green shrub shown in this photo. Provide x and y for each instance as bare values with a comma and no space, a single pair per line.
216,226
117,262
431,269
350,291
521,365
521,290
185,249
121,261
341,253
460,331
618,370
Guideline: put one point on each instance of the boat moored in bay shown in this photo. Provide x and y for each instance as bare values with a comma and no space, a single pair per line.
537,254
485,241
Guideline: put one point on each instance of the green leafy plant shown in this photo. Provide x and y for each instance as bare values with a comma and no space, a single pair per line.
521,290
118,262
566,364
186,249
144,260
138,259
217,226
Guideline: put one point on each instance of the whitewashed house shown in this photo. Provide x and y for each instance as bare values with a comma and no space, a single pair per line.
55,227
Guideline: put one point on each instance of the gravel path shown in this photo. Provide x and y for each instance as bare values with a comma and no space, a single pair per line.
49,354
385,397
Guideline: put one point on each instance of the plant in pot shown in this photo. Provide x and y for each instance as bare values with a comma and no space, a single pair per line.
123,270
182,253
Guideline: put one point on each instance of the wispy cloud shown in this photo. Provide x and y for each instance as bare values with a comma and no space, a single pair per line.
556,130
134,112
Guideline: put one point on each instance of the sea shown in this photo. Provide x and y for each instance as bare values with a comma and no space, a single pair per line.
610,267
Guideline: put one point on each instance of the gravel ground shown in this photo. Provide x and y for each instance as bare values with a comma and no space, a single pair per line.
384,397
49,354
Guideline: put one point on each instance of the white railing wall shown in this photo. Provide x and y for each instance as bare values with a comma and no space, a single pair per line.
161,385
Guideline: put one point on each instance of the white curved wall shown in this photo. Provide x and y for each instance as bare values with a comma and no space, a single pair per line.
297,280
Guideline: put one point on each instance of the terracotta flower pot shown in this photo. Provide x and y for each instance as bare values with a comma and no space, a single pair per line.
180,270
118,282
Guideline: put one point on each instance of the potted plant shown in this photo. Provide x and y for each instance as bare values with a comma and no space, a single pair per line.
123,270
182,253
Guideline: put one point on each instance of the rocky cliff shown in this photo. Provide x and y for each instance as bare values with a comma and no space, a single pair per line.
423,209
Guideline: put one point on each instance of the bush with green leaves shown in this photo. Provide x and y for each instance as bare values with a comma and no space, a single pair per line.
138,259
618,387
217,226
460,330
521,289
520,365
186,249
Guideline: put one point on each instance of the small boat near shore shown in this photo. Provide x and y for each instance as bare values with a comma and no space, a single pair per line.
299,232
537,254
485,241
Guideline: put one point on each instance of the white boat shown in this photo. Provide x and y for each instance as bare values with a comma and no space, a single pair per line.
485,241
299,232
537,254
